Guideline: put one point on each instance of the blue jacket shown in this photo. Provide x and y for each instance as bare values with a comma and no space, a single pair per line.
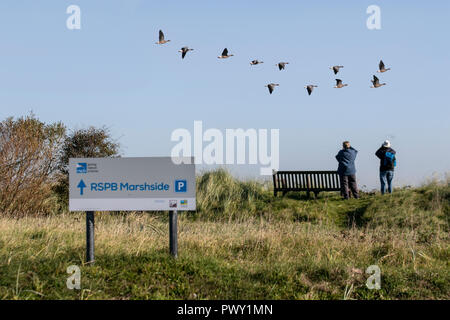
381,153
346,159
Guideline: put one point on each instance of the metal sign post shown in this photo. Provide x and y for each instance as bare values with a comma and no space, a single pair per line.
90,237
173,233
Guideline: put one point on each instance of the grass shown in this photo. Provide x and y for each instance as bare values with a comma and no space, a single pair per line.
242,243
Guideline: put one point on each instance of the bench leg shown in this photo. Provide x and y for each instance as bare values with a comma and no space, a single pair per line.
316,194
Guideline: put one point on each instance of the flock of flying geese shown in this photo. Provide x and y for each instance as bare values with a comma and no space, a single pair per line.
281,65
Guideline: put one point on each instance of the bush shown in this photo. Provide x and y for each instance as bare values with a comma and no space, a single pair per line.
29,155
83,143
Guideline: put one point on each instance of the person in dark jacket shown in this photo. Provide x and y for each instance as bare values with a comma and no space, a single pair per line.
388,162
347,171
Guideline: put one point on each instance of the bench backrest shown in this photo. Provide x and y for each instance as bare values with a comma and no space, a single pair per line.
306,181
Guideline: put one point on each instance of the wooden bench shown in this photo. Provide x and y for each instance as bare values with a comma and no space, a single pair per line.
309,181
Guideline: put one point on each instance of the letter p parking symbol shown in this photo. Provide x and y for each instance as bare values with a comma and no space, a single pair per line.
180,186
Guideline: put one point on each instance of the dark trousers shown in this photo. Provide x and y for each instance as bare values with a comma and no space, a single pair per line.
349,182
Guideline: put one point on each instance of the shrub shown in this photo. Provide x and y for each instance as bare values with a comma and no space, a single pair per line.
83,143
29,151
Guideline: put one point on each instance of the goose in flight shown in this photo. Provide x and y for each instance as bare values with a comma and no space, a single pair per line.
271,87
336,69
339,84
281,65
183,51
161,38
255,62
376,83
382,68
310,88
225,54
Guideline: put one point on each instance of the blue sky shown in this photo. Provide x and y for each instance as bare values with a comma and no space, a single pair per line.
111,73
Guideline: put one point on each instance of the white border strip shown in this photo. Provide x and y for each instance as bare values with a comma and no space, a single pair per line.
131,204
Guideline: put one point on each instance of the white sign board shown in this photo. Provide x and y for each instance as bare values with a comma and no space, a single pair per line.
128,184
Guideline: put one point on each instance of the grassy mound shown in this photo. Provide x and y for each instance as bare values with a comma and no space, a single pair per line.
220,196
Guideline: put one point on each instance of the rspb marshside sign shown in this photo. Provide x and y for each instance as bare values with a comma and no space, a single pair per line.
128,184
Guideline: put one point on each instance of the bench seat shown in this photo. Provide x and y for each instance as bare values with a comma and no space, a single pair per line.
308,181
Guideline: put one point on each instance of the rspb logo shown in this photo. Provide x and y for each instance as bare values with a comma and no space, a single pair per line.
82,167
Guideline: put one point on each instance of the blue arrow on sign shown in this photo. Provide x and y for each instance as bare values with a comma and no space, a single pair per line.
81,185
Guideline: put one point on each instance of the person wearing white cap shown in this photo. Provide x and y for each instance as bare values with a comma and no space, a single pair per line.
388,162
